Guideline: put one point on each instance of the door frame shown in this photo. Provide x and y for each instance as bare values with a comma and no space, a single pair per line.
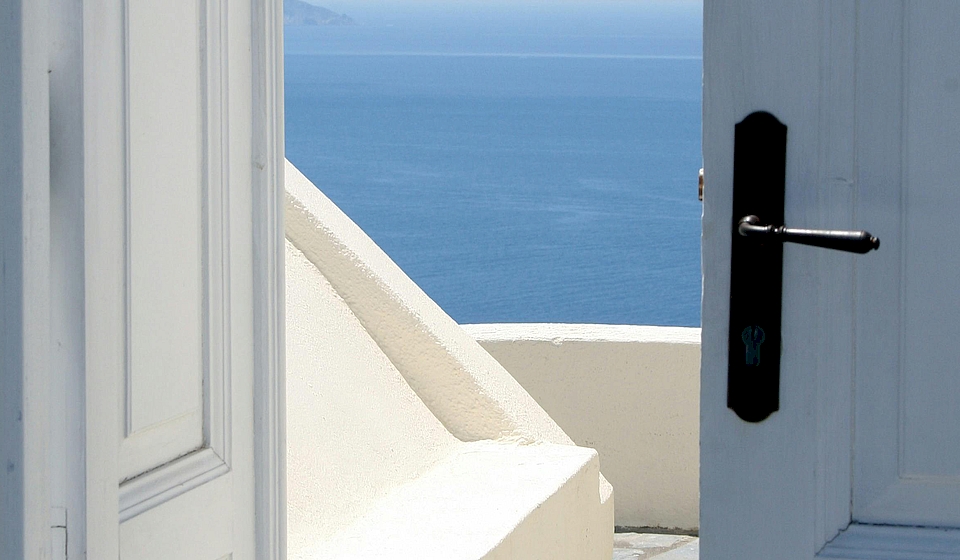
269,352
24,283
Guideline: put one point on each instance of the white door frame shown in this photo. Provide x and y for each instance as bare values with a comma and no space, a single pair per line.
24,279
270,449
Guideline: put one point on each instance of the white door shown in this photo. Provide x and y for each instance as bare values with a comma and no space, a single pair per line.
862,459
181,237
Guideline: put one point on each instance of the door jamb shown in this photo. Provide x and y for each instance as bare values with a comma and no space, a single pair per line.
268,286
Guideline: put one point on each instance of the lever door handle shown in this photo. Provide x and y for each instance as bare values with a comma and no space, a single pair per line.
756,263
841,240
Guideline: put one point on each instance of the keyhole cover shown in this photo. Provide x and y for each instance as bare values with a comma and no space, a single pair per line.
756,268
753,336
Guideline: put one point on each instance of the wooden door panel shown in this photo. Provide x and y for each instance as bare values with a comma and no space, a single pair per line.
182,143
164,201
164,378
176,403
869,91
930,382
756,480
907,453
184,528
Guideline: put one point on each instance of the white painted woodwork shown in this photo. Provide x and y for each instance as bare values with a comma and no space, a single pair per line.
268,275
868,429
66,445
893,543
907,456
177,441
166,188
176,323
104,180
24,280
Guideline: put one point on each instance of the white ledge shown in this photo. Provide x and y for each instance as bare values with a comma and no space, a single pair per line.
562,332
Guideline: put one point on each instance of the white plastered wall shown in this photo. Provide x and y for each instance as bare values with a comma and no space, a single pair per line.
404,435
630,392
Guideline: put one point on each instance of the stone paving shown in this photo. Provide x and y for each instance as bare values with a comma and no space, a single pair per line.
632,546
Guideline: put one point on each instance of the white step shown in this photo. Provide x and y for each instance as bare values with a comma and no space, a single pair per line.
489,500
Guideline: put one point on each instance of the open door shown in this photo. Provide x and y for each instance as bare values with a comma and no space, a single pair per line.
181,109
861,456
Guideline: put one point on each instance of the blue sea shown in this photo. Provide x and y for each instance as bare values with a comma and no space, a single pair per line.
533,162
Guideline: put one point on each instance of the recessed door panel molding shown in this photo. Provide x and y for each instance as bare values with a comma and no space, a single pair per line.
180,132
930,379
176,410
907,455
183,528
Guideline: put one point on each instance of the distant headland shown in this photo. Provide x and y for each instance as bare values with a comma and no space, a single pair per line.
297,12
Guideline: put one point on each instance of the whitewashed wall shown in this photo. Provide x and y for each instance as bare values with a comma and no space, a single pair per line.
630,392
405,439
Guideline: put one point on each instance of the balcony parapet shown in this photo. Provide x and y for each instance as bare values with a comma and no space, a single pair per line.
630,392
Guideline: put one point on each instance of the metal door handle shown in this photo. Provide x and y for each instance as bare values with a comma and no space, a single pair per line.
756,264
841,240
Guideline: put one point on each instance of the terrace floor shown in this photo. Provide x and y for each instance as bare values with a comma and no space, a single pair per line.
631,546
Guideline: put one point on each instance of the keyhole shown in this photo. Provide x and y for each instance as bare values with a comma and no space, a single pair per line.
753,336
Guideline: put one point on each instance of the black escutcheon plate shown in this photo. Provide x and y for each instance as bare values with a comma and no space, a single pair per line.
756,268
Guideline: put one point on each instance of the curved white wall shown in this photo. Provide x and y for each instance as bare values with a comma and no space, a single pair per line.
465,388
405,439
355,429
630,392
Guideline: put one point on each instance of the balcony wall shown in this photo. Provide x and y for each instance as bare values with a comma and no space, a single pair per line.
405,439
630,392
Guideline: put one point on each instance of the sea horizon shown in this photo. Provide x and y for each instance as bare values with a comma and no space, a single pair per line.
538,176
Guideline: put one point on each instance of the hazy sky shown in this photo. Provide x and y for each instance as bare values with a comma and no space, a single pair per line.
447,3
453,5
518,14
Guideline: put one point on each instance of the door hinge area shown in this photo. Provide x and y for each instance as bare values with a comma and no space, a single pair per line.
58,533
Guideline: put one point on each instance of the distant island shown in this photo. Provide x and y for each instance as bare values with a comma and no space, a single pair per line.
297,12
